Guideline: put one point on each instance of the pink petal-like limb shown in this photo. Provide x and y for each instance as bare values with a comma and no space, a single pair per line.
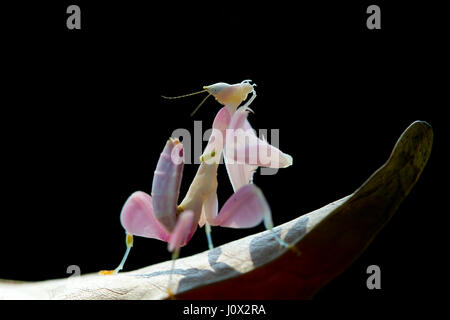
182,232
239,174
244,209
166,183
244,147
259,152
244,152
137,218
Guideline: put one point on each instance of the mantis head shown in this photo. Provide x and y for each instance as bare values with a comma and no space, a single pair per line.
230,94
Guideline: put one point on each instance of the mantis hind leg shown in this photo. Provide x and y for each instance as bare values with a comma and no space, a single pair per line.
175,256
269,226
208,236
129,242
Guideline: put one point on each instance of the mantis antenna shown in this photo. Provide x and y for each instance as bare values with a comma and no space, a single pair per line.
198,107
190,94
184,95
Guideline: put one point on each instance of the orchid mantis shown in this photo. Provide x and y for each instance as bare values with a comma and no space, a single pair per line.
158,216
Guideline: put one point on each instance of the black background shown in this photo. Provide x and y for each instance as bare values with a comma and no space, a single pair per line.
83,122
